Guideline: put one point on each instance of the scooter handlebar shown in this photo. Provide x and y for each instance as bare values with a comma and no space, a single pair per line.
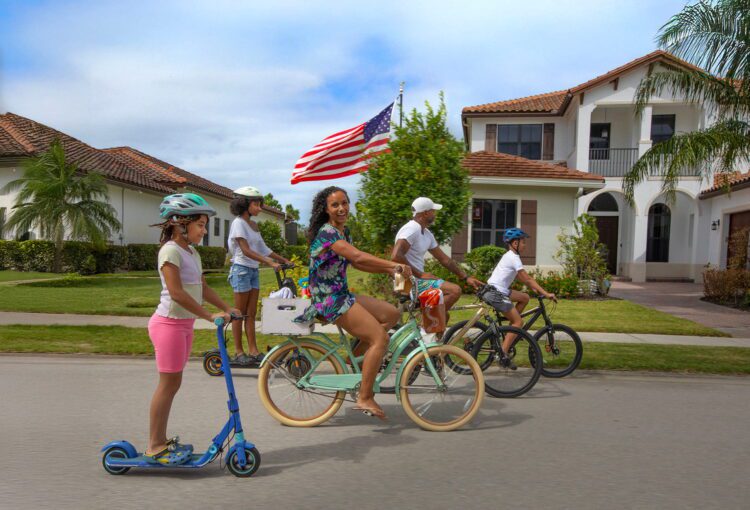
219,321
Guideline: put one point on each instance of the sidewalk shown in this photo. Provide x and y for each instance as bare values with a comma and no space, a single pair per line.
7,318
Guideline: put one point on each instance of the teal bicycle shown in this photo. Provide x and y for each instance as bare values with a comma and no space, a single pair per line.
304,381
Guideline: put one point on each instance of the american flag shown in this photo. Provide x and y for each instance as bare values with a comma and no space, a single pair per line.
346,152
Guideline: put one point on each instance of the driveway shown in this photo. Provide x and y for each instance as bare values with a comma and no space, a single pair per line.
683,300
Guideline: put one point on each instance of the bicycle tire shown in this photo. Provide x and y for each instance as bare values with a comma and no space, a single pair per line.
428,404
265,384
505,382
550,359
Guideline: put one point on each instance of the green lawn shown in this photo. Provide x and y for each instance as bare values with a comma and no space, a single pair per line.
599,356
137,294
613,315
9,276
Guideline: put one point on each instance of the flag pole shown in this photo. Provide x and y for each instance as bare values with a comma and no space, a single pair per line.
401,105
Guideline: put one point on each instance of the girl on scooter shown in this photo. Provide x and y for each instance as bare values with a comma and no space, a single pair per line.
248,250
364,317
171,327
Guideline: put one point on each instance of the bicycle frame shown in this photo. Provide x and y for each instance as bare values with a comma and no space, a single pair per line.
399,341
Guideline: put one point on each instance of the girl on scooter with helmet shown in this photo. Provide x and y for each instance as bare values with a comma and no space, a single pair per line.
248,250
171,327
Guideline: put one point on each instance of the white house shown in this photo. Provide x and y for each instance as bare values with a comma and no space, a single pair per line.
137,182
595,129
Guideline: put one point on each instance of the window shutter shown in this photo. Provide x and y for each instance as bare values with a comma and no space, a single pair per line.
460,242
548,150
528,225
490,138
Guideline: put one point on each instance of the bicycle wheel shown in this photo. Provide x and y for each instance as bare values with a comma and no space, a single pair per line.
453,401
515,378
289,404
561,350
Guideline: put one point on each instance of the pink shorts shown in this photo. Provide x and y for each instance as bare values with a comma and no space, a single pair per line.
173,340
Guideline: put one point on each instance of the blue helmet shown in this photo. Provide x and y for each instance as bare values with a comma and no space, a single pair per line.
514,233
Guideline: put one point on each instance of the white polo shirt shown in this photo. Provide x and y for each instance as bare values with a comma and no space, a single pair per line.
419,241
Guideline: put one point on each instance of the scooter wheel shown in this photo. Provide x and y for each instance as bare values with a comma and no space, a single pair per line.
212,364
252,456
115,453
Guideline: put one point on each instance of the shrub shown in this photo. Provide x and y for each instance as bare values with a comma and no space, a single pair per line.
212,257
297,250
35,255
738,244
560,284
481,261
9,254
272,235
581,254
110,259
728,286
142,257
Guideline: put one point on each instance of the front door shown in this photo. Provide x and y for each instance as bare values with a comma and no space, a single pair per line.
737,222
607,227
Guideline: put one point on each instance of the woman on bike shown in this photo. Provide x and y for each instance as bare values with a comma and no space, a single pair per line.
248,250
499,294
364,317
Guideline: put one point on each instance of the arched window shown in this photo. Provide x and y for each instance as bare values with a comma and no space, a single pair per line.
657,244
603,203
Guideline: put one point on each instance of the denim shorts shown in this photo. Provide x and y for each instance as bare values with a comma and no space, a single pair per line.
243,278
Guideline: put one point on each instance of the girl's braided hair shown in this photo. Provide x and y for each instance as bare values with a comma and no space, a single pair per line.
319,216
167,226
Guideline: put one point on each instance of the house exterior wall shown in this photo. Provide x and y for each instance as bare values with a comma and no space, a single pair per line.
718,209
555,211
137,209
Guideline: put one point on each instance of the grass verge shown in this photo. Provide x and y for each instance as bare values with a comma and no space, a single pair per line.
597,355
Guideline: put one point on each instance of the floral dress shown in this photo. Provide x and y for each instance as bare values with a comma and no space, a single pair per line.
328,287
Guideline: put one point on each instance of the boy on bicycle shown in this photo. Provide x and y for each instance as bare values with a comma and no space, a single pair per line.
501,297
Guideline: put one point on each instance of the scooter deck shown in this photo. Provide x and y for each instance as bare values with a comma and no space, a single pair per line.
142,461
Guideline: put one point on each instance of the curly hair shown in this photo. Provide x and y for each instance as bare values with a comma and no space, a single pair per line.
240,204
319,216
168,226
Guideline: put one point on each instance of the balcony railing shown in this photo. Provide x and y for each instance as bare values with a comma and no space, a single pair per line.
618,162
612,162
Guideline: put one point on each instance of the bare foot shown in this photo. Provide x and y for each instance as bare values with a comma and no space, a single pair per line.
370,408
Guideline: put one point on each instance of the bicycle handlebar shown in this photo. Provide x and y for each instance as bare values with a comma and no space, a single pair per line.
284,267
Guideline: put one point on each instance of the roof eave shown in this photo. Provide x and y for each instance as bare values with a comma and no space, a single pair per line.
722,191
536,181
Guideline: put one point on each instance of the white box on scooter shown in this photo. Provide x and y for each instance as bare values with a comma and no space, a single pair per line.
278,317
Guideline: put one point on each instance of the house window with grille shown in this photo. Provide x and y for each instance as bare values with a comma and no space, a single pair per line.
217,227
523,140
490,219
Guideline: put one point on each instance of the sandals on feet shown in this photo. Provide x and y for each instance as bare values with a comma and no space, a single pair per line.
372,412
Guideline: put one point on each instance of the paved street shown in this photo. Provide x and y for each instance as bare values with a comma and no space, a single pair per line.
591,441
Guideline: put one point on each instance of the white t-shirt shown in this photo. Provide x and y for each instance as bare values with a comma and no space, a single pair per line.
191,270
241,229
505,272
420,242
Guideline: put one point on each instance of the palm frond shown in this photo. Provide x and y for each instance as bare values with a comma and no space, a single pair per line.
726,144
716,95
712,35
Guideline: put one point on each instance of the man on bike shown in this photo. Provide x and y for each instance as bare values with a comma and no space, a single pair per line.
414,240
499,294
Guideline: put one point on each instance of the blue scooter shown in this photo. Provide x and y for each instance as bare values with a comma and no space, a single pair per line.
243,459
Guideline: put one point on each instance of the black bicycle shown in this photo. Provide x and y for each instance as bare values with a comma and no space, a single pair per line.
560,346
506,374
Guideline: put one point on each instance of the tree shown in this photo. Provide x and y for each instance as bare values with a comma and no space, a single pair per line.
56,198
291,212
272,235
714,35
424,160
581,254
272,202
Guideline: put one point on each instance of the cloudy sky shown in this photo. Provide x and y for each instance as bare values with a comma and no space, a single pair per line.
237,90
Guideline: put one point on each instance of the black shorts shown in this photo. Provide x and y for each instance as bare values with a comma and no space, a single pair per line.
496,299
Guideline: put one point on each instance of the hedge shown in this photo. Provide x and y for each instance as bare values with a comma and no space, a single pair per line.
86,258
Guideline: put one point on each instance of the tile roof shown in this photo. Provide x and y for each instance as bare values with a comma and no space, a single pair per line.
497,164
555,103
737,181
22,137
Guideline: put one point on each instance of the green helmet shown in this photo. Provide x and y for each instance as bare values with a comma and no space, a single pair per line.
185,204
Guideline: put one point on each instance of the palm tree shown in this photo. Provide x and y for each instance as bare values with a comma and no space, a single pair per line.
714,36
55,197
